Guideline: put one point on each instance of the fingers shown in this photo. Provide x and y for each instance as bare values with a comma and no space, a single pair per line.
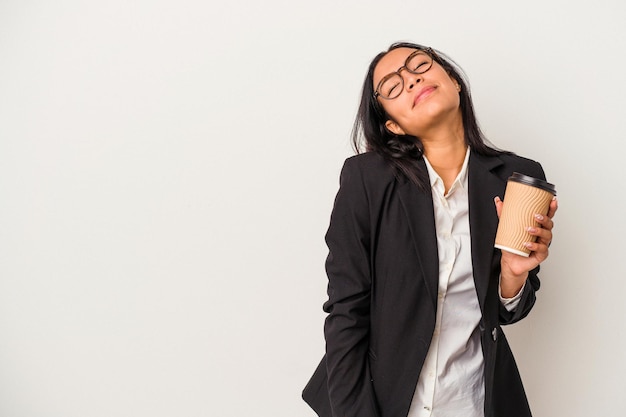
543,229
498,204
543,235
544,222
554,205
538,250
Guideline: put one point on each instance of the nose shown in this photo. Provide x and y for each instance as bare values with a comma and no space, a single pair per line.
411,80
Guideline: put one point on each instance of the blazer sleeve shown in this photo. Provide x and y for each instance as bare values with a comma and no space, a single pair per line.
527,301
532,283
347,326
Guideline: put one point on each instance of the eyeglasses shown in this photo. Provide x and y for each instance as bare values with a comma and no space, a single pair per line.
392,85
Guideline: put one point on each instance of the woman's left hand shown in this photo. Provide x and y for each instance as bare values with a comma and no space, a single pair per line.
514,268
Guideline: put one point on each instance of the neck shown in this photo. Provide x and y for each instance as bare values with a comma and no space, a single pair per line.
445,149
444,146
446,156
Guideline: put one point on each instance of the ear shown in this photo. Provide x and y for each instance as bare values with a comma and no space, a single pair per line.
394,128
456,83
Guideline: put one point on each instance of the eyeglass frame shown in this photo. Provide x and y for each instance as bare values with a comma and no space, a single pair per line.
429,51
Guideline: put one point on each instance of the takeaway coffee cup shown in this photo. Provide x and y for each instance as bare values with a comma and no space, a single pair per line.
523,198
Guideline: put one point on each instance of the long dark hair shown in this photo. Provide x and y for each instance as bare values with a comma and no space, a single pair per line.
405,151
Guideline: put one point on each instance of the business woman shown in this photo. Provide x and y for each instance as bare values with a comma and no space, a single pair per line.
416,291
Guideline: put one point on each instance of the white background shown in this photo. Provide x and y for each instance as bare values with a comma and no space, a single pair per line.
167,171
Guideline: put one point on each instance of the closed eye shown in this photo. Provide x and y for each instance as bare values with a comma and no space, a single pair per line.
393,89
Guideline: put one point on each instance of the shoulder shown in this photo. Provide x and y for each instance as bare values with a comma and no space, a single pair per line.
526,166
368,161
504,164
371,167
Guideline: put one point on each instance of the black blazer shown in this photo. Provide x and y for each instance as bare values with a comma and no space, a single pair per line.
383,273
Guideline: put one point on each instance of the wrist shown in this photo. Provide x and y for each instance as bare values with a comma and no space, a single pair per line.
510,284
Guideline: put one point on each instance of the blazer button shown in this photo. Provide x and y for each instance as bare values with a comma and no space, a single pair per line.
494,334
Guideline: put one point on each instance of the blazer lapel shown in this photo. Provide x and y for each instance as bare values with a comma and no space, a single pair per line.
484,184
418,207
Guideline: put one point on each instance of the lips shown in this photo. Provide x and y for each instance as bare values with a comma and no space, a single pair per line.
422,94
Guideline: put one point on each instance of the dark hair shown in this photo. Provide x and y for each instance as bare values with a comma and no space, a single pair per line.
404,151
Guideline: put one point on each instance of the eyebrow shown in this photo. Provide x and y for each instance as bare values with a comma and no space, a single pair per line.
403,65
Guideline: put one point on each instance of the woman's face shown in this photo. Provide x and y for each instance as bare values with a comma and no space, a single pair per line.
426,99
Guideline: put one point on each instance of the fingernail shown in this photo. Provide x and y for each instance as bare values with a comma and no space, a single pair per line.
528,244
531,229
539,217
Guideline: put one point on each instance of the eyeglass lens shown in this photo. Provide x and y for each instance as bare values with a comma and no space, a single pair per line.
392,84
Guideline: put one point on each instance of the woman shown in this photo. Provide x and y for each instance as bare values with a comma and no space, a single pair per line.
417,292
